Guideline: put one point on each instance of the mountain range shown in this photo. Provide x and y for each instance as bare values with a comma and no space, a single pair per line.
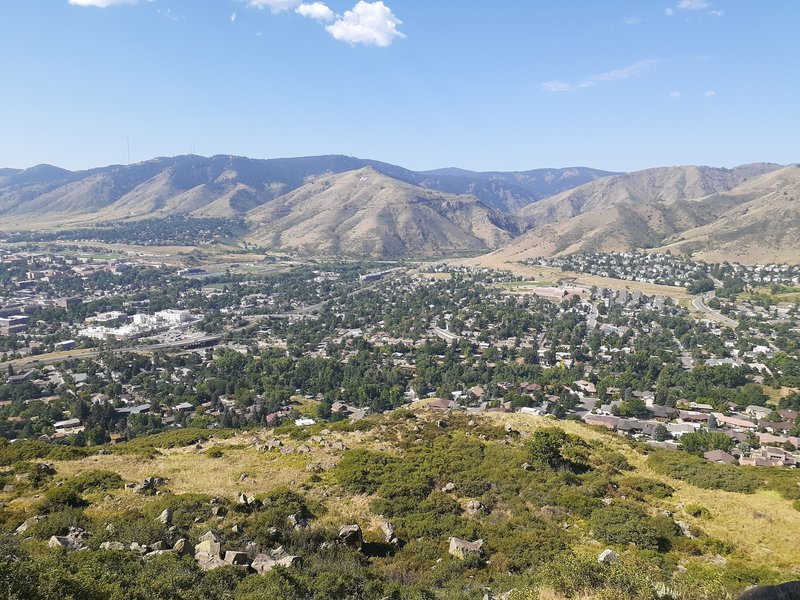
345,205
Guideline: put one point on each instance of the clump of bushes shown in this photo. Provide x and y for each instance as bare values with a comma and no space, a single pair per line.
646,487
697,511
622,524
702,473
28,450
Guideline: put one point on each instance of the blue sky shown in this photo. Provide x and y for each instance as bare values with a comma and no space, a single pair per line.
510,84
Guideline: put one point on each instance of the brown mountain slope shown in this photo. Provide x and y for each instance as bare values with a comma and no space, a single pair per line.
756,221
763,228
367,213
624,226
641,187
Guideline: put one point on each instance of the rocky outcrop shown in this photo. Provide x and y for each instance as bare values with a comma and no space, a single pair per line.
464,549
351,536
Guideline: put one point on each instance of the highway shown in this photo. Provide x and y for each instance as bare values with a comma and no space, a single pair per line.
79,354
699,304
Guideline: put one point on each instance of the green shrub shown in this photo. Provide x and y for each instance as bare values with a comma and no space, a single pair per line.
702,473
552,447
278,583
402,495
185,508
625,524
576,502
362,471
59,498
697,511
614,459
646,487
28,450
58,522
131,526
95,480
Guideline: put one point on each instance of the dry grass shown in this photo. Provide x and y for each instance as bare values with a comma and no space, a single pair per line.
193,471
547,275
763,526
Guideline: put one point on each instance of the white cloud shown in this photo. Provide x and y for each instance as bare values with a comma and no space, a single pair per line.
710,94
674,94
633,21
317,11
637,68
634,70
275,6
368,23
669,12
233,17
692,4
716,13
100,3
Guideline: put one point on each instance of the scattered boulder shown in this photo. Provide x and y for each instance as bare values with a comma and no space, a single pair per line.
338,446
28,523
46,469
148,486
718,560
247,501
183,547
218,511
527,467
441,424
449,487
387,527
474,507
785,591
303,449
686,529
211,563
208,536
138,548
351,536
58,541
297,521
72,541
165,517
463,549
263,563
112,546
608,557
233,557
208,548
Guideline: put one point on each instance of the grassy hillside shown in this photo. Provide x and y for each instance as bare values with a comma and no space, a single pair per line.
546,497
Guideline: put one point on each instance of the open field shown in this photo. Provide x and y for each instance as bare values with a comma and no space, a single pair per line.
546,276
